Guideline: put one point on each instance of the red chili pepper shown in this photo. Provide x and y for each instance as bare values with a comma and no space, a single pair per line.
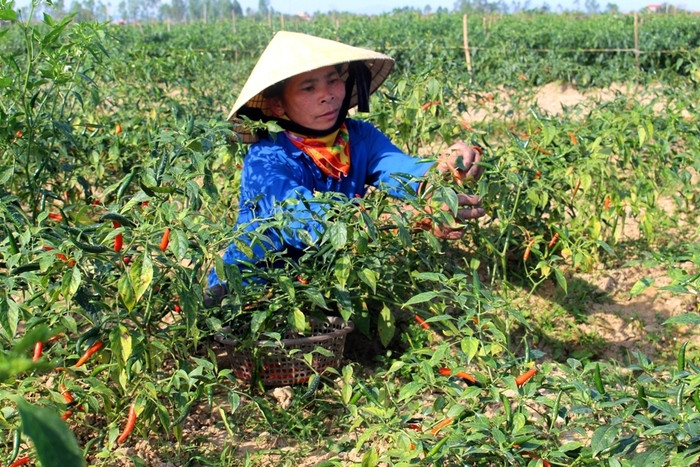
177,308
165,240
302,280
465,375
67,396
528,248
525,377
440,425
607,203
118,239
20,461
67,414
130,422
574,140
88,353
55,216
554,240
422,322
538,174
445,371
428,105
38,349
118,129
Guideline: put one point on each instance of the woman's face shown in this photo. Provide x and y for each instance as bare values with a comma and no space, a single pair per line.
312,99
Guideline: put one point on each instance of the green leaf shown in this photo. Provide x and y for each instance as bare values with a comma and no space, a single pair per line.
338,235
316,298
341,271
126,292
603,438
421,298
141,275
178,243
369,277
298,320
386,326
8,15
71,281
640,286
53,440
685,318
470,346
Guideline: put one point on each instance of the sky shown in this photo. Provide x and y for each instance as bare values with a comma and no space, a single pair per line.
372,7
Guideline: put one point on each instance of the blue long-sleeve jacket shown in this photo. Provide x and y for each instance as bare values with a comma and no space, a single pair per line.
275,170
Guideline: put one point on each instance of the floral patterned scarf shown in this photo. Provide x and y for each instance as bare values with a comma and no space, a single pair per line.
331,153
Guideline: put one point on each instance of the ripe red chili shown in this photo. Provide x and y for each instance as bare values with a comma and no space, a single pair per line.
177,308
88,353
38,349
165,240
528,248
607,203
130,422
118,239
302,280
20,461
445,371
554,240
525,377
67,414
422,322
67,396
428,105
440,425
55,216
118,129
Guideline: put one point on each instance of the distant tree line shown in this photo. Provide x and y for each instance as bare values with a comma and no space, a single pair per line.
183,11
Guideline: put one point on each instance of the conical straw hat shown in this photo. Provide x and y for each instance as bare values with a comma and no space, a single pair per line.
291,53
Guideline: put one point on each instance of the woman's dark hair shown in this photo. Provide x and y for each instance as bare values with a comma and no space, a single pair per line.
275,90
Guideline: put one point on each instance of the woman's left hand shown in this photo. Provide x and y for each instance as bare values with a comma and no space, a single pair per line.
462,162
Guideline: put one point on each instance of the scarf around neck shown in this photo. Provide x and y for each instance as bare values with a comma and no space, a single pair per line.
331,153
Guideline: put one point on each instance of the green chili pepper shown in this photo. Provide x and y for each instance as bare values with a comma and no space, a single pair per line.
312,387
598,380
681,357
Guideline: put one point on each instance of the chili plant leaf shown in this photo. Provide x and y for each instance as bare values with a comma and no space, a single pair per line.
54,442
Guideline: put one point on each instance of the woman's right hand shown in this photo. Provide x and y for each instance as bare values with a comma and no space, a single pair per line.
462,162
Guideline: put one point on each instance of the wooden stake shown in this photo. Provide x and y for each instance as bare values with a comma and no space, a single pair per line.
233,20
636,39
282,21
465,33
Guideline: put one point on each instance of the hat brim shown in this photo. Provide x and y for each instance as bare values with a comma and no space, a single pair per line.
289,54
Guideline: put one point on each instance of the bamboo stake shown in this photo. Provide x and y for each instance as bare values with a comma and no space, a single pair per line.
465,33
636,39
233,20
282,21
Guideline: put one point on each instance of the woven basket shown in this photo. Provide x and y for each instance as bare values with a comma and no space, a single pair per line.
278,367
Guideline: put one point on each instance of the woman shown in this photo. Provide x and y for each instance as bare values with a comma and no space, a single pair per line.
306,85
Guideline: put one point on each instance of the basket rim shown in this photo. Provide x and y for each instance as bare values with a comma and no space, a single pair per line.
348,326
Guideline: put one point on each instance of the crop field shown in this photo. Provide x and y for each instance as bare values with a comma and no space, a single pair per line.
560,329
